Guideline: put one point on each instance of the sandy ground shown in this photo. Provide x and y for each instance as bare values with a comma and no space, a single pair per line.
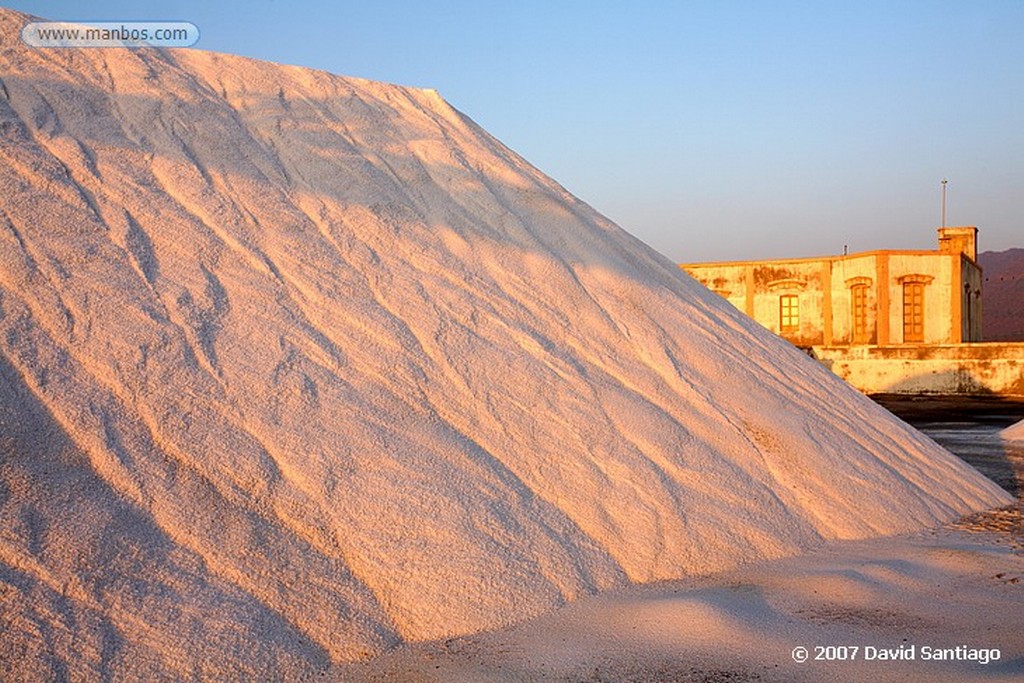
959,585
962,585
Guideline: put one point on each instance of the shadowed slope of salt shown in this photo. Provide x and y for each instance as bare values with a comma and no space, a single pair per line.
369,374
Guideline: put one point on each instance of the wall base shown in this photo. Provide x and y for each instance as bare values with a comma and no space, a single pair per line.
993,368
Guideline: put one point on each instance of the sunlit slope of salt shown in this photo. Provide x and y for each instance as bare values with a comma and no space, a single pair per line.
328,355
1014,432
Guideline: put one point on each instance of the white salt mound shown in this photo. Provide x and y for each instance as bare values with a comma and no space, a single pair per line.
296,367
1014,432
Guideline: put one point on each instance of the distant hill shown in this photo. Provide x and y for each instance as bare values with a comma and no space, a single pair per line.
1003,304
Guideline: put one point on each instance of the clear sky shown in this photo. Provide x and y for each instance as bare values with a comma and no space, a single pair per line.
711,130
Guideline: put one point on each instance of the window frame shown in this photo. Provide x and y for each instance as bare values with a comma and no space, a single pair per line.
860,331
913,311
789,312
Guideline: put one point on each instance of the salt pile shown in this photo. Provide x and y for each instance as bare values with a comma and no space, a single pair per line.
1014,432
297,367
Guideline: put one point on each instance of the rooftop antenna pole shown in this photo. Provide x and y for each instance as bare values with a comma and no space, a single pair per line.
944,181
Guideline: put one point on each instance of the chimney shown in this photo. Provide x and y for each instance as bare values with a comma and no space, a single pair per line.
962,240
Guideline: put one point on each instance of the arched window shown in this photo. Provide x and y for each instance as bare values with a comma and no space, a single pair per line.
913,305
861,328
913,311
861,333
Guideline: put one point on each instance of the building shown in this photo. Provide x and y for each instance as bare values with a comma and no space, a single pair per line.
905,322
878,298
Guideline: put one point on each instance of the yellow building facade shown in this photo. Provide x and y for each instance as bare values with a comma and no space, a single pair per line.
880,298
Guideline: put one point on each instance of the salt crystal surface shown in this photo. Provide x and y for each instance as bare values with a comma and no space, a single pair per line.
1014,432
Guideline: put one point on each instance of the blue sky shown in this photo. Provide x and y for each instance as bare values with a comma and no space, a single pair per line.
711,130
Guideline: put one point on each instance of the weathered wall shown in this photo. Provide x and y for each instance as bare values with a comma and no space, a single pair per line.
847,272
800,278
981,368
972,302
728,280
938,304
951,295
